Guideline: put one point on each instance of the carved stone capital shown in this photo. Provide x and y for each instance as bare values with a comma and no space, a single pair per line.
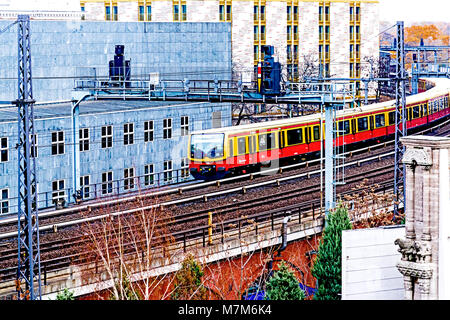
415,270
417,157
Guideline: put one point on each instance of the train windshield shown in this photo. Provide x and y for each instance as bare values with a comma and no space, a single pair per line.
207,145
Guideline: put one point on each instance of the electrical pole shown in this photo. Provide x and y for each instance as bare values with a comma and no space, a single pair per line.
29,269
400,121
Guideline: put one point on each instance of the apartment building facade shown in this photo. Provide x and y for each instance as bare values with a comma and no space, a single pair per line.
336,36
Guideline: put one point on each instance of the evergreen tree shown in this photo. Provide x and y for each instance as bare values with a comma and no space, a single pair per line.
188,281
327,267
283,285
65,295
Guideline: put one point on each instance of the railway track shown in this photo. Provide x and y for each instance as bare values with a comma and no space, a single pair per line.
200,191
256,208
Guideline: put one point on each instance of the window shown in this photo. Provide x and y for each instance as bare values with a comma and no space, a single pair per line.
3,149
84,139
148,131
228,12
84,186
343,127
128,133
176,12
148,174
149,13
230,148
107,182
266,141
416,112
241,144
34,145
128,178
4,202
184,126
108,12
391,116
167,128
316,133
107,136
184,168
362,124
167,171
57,142
58,192
183,12
145,16
141,16
115,13
222,12
294,136
379,120
288,12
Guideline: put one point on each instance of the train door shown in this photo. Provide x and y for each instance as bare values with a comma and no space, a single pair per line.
231,161
242,151
252,158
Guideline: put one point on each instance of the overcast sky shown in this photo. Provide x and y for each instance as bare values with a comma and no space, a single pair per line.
415,10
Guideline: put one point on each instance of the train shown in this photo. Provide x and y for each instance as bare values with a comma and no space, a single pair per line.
220,152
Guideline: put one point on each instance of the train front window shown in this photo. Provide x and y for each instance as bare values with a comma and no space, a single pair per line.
207,145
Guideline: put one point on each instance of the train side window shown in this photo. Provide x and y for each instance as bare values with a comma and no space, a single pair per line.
362,124
250,145
241,145
416,112
294,136
308,134
435,107
231,149
281,138
371,122
354,126
262,142
379,120
344,127
391,118
316,133
270,138
409,116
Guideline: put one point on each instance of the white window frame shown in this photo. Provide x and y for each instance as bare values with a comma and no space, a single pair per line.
149,133
128,178
104,137
149,174
167,128
184,123
128,133
106,183
168,171
3,201
4,149
58,143
85,188
58,193
83,139
184,168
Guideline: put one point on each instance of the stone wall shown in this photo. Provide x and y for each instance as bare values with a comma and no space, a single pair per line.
203,10
339,39
242,38
308,33
276,23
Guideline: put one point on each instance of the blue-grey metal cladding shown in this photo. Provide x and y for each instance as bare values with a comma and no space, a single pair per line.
28,269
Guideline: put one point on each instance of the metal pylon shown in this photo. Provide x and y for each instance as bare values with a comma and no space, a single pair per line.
28,270
400,121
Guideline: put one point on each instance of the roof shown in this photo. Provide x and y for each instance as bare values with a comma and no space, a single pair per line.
49,110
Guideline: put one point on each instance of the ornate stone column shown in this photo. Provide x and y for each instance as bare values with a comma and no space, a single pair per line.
427,204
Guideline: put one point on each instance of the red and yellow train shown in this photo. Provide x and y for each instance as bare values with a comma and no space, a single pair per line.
216,153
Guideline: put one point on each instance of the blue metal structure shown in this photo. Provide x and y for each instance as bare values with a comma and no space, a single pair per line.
269,73
400,120
28,269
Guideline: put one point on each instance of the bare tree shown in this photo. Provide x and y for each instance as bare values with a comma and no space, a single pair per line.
125,248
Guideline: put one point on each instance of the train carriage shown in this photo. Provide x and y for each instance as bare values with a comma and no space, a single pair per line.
216,153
